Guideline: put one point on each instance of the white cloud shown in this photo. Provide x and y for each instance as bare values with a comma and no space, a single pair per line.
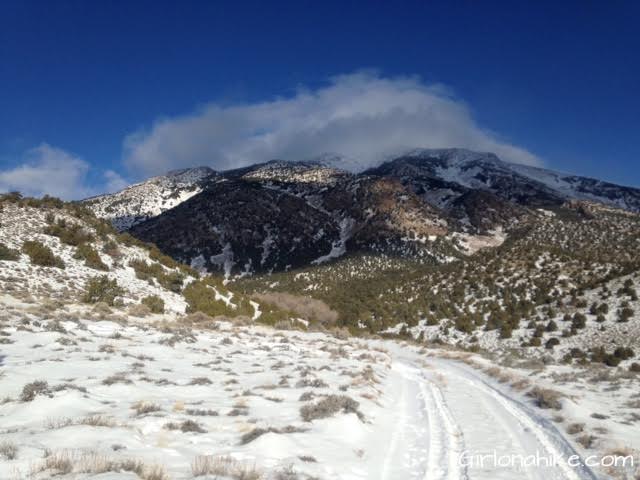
113,182
363,116
54,171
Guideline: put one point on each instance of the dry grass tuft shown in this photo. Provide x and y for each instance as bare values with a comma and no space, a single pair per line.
329,406
8,450
64,462
546,398
143,408
224,467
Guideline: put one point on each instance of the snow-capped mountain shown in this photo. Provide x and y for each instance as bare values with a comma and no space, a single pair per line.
279,215
246,226
150,198
442,175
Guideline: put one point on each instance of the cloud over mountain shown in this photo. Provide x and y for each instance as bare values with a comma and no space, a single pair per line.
363,116
49,170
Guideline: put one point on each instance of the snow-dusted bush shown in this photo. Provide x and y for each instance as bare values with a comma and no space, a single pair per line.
329,406
33,389
40,254
91,257
102,289
68,233
186,426
154,302
546,398
9,254
625,314
171,280
8,450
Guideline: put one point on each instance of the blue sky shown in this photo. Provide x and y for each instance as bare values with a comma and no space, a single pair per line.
121,90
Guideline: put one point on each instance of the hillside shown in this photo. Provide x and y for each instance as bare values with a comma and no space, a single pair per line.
150,198
501,298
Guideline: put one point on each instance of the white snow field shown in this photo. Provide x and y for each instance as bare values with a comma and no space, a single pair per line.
156,399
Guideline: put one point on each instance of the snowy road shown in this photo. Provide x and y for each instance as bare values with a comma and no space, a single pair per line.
449,423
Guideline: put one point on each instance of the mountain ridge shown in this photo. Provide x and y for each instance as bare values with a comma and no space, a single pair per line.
414,206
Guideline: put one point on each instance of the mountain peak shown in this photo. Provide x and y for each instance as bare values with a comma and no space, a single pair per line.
453,156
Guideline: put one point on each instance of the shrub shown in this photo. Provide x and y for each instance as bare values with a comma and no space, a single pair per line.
8,450
625,314
535,342
506,331
8,254
611,360
579,321
226,467
41,255
552,342
201,297
575,428
171,280
11,197
139,310
111,248
577,353
69,234
545,398
155,303
551,326
623,353
251,435
143,408
33,389
600,355
91,257
186,426
303,306
329,406
102,289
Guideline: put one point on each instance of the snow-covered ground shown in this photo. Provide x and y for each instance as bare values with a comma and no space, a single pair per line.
155,398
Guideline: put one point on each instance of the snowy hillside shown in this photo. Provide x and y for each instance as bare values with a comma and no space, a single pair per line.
70,250
150,198
445,173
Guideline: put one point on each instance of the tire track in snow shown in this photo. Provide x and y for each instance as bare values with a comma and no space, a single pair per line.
397,433
446,440
546,434
425,431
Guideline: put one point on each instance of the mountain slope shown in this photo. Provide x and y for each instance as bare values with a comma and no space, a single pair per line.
57,249
150,198
247,226
442,175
